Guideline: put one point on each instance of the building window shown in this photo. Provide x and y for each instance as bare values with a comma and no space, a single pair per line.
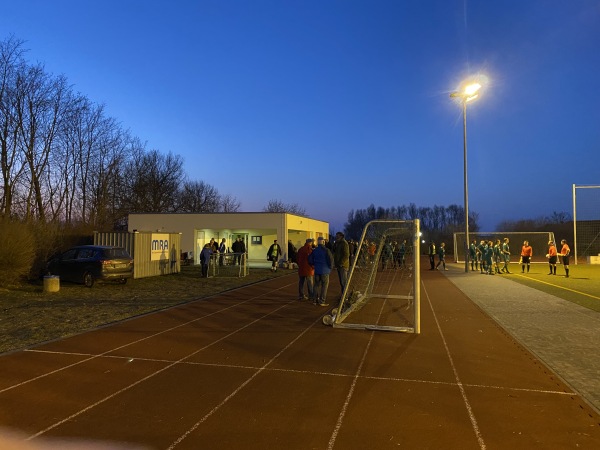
256,240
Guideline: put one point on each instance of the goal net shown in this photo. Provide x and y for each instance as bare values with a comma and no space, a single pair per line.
538,240
383,291
586,224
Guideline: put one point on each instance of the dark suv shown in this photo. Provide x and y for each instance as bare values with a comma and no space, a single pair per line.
87,263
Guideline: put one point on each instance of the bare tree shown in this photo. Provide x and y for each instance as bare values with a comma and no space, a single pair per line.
229,204
11,161
151,182
198,197
279,206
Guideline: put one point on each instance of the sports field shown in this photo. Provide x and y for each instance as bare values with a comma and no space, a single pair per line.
255,368
582,287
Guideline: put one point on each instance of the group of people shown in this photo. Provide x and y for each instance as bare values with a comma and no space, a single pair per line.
553,255
492,257
315,263
212,247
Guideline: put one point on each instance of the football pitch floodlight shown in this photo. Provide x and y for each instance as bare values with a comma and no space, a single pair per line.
468,92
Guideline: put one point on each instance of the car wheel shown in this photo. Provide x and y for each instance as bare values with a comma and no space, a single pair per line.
88,279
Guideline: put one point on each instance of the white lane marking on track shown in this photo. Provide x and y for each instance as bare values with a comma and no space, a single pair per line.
456,377
130,343
357,376
126,388
239,388
315,372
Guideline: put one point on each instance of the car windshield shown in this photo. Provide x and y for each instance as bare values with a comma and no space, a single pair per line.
115,253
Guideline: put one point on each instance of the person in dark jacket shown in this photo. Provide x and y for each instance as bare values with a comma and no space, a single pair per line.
205,255
273,254
291,252
322,260
306,273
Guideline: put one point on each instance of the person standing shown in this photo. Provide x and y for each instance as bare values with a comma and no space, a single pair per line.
565,251
222,250
205,256
552,257
242,251
291,252
506,253
442,256
432,255
526,255
306,272
402,254
489,258
473,254
341,259
322,261
480,255
273,255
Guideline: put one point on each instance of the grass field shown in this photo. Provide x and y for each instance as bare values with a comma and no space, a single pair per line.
582,286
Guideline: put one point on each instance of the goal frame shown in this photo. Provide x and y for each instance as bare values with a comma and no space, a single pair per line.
575,187
338,319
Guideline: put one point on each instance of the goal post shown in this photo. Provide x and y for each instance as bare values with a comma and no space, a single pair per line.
586,223
538,240
383,289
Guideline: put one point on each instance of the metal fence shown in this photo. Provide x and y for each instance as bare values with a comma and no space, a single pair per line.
228,265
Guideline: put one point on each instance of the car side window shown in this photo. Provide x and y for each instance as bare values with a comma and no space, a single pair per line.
85,253
69,254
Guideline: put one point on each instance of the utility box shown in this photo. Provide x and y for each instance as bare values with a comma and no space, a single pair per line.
51,283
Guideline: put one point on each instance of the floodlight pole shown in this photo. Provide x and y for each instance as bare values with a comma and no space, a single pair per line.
469,93
466,186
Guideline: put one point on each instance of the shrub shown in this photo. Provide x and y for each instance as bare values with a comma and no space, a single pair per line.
17,251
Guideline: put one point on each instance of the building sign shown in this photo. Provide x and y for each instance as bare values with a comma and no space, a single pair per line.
159,247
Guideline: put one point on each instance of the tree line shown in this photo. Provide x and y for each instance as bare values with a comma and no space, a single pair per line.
437,222
63,159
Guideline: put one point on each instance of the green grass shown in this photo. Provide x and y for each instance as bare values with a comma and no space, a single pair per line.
582,286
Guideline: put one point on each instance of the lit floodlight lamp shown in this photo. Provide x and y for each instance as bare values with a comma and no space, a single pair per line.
470,91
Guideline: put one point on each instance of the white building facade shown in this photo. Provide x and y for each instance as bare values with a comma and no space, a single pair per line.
258,230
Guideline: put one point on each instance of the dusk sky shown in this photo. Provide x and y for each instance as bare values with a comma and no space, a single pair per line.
336,105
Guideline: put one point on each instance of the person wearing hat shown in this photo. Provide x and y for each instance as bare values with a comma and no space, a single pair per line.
273,254
322,260
306,272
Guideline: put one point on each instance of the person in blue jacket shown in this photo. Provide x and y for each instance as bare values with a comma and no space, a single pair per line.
205,255
321,259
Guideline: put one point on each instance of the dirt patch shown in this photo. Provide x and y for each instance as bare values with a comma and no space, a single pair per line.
29,316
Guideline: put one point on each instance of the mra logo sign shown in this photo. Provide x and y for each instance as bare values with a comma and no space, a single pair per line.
160,245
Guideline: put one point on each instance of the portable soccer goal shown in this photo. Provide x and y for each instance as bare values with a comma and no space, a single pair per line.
383,291
586,224
538,240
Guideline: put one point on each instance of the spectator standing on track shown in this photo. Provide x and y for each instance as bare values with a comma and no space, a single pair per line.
222,250
401,254
306,273
431,255
552,257
526,254
205,256
341,259
273,255
291,252
442,256
565,251
322,261
506,253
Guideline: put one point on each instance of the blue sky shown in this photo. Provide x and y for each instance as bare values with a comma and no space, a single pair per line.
336,105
